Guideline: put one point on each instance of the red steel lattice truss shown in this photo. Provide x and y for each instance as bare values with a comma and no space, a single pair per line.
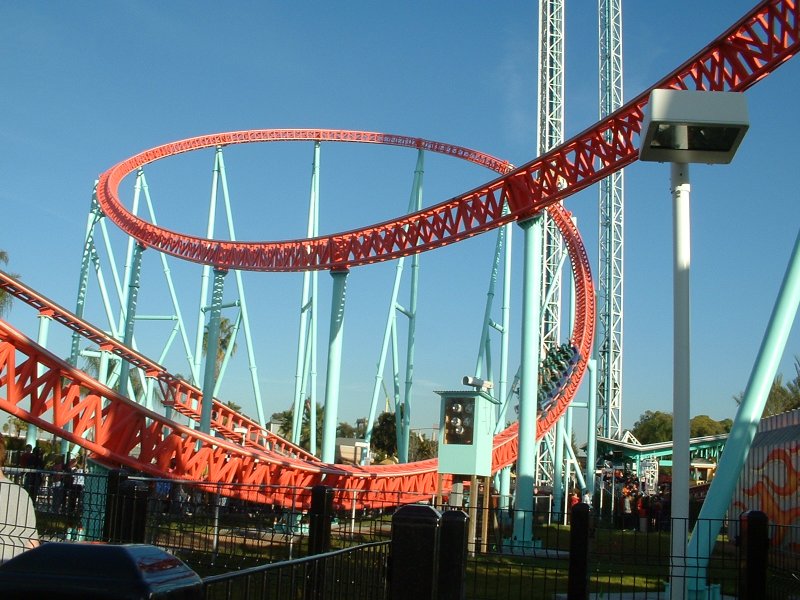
122,432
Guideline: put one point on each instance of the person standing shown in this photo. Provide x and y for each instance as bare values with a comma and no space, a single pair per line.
17,517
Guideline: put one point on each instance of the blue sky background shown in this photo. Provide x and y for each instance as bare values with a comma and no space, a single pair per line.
87,84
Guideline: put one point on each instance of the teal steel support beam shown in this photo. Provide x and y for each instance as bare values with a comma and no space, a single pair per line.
529,367
201,318
244,314
181,326
559,471
334,371
95,214
404,416
748,415
388,335
308,321
132,296
402,408
212,344
591,443
45,316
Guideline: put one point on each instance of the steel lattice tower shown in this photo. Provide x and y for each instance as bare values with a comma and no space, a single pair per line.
550,111
609,344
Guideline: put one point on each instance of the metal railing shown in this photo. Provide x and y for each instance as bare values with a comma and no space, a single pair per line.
355,573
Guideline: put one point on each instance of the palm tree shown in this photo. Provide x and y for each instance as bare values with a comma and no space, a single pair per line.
226,331
5,297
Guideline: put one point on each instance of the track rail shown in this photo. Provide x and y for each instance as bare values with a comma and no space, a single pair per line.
751,49
177,393
286,465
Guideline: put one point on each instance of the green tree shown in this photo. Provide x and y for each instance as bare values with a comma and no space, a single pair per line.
384,436
421,448
703,425
345,430
653,427
5,297
284,421
656,426
233,406
781,398
15,426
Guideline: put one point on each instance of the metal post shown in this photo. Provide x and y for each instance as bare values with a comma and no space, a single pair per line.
334,365
320,516
453,556
679,183
212,344
414,570
591,445
526,460
578,576
754,542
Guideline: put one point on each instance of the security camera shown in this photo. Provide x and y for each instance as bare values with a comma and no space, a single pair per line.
477,383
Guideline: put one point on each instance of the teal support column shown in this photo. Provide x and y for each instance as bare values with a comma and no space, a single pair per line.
334,366
404,415
404,418
558,472
95,214
569,453
312,372
130,315
591,443
212,344
201,317
504,477
529,368
102,375
388,335
747,417
244,314
505,319
45,316
306,343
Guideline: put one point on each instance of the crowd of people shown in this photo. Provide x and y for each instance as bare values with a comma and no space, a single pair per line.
66,479
637,511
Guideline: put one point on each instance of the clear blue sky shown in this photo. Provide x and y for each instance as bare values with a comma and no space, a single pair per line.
86,84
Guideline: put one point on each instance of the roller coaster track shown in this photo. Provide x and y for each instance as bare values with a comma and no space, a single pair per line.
119,431
135,429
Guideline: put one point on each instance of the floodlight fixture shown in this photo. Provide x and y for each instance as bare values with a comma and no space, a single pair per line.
477,383
684,126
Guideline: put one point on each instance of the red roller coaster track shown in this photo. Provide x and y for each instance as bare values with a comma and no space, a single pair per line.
746,53
121,432
289,465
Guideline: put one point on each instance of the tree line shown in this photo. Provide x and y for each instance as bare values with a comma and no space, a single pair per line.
656,426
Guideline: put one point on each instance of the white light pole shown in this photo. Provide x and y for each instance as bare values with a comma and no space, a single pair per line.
683,127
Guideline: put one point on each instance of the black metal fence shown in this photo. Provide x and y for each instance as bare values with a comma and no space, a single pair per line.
215,531
357,573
